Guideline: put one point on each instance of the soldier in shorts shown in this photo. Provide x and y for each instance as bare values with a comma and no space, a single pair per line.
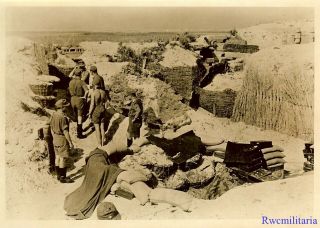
78,90
97,111
59,124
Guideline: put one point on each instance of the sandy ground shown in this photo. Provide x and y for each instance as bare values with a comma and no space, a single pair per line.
32,194
221,82
47,200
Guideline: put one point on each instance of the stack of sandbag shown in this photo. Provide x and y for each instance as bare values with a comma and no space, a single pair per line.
273,157
134,182
42,88
308,154
218,151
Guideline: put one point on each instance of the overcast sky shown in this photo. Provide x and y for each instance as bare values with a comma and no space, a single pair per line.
144,19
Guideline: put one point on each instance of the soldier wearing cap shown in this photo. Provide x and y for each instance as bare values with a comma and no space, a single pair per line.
59,125
135,118
78,90
84,73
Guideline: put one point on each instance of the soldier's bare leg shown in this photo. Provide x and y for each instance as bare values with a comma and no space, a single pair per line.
98,133
102,132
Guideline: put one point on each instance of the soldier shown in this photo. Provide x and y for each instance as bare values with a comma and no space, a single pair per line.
97,111
135,119
78,90
59,124
84,74
96,78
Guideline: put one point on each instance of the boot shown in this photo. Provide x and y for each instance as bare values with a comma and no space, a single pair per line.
129,142
79,131
52,171
58,173
64,178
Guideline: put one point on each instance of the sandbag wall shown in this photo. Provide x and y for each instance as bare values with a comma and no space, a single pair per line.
277,91
220,103
180,79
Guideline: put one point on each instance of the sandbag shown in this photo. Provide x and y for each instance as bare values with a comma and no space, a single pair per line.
131,176
135,148
218,147
170,196
211,141
272,149
275,161
272,155
140,141
114,188
217,159
219,154
140,190
125,186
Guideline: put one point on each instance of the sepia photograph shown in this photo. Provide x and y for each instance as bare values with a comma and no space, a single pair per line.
159,113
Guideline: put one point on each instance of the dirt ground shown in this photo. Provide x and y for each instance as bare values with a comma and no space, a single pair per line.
31,193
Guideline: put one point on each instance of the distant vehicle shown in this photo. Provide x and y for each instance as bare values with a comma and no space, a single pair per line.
72,51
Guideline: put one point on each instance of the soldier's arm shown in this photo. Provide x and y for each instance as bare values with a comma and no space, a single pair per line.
85,88
85,75
71,73
137,111
67,135
92,103
65,127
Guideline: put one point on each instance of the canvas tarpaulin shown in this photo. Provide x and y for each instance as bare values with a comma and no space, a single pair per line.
100,175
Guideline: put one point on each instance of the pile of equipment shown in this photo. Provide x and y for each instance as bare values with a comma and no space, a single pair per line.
308,154
255,161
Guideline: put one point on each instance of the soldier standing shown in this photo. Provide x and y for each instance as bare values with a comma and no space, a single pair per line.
59,124
78,90
135,119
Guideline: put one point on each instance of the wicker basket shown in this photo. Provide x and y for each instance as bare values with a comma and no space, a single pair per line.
45,101
44,89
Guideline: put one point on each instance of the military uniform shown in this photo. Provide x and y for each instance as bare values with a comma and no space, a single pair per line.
77,89
59,123
98,80
135,119
85,75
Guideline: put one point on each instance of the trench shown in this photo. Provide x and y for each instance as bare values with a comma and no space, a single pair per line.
221,180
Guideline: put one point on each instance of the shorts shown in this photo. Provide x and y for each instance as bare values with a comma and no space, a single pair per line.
98,114
61,150
77,104
134,128
63,162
